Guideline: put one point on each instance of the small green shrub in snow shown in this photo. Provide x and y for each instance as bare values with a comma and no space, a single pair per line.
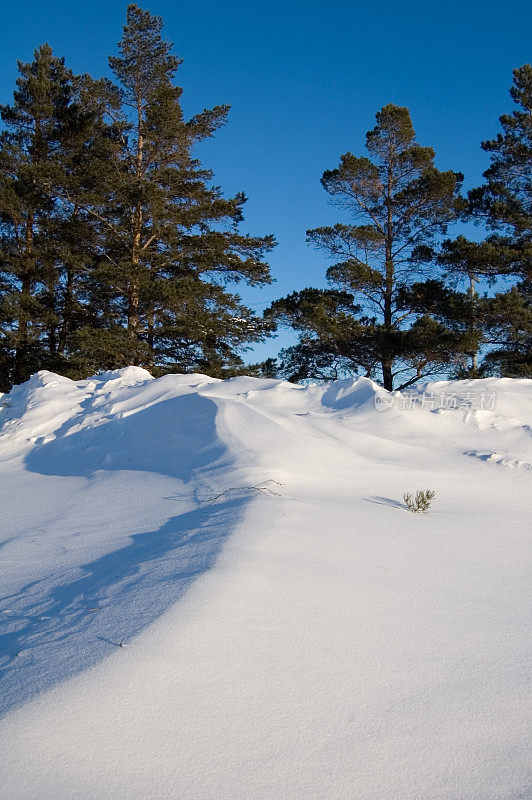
421,501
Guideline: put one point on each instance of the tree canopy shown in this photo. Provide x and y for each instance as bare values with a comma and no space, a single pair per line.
398,202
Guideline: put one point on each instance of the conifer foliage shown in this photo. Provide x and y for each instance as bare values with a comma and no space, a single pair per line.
399,203
496,326
504,205
40,127
113,233
116,246
169,240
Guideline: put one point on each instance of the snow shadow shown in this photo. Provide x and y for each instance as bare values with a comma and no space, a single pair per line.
385,501
54,628
175,437
349,394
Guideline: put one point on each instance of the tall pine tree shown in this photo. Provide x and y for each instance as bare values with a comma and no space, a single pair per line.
504,205
30,173
398,202
169,243
51,142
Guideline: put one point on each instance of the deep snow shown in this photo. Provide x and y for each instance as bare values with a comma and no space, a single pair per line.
213,590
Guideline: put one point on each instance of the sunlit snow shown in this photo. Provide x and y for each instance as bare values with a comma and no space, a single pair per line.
213,590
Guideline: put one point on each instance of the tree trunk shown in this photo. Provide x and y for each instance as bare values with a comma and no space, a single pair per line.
136,220
472,290
387,375
133,309
68,303
20,372
150,324
52,331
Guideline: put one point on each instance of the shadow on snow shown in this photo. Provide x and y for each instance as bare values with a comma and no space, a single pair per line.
54,630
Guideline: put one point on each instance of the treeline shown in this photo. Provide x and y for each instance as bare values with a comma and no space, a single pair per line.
406,303
116,248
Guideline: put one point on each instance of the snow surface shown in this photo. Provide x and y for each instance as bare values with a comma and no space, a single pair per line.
212,590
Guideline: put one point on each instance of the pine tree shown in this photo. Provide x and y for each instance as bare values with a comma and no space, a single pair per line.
462,313
504,205
505,202
400,202
29,172
47,242
454,299
168,240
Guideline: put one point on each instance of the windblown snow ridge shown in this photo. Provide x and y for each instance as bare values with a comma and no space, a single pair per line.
171,629
50,406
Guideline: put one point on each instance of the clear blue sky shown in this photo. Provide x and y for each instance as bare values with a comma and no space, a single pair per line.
304,80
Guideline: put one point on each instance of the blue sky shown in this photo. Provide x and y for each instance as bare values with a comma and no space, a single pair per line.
304,80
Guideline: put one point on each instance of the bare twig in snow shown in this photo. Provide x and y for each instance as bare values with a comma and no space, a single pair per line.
260,488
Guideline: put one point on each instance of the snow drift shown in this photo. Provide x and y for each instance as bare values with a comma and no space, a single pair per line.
213,589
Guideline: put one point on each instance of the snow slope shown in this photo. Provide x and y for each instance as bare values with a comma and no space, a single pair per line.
212,590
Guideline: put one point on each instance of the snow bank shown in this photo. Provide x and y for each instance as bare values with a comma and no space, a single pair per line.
213,589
